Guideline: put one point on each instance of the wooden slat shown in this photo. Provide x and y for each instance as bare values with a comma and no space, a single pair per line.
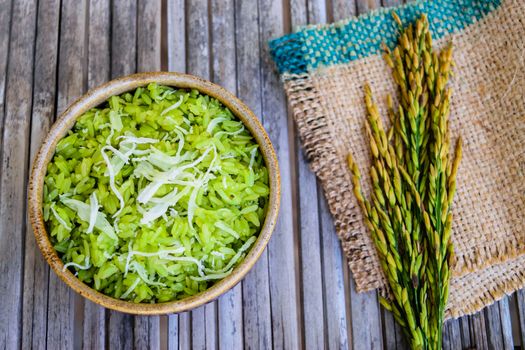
230,323
452,335
198,39
520,298
14,161
366,324
123,62
506,326
313,316
146,333
176,33
173,332
335,290
147,329
5,28
478,331
36,270
464,326
148,35
185,331
99,50
495,327
282,246
363,6
203,325
342,9
120,330
98,70
317,12
256,294
63,302
123,38
176,47
311,267
389,3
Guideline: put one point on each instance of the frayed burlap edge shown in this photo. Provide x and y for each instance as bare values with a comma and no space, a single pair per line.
317,140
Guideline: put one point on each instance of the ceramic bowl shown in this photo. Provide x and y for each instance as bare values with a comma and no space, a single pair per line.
96,97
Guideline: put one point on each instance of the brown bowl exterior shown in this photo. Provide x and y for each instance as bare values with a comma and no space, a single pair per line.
94,98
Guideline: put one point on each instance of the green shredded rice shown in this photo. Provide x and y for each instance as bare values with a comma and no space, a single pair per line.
155,195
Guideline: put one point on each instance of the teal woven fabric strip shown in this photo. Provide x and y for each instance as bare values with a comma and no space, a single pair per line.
356,38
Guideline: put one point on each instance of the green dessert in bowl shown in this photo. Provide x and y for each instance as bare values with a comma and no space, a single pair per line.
155,195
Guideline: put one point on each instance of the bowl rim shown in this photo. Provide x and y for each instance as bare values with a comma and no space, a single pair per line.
95,97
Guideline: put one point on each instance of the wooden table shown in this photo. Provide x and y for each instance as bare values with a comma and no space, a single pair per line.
300,294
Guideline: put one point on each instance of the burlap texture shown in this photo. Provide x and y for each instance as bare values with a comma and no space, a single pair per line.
487,109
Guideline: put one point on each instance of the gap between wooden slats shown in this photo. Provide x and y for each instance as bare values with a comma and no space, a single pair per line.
17,40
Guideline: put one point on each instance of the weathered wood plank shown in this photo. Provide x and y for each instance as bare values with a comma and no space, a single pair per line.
317,12
123,38
63,302
256,294
36,270
120,330
176,35
185,331
5,29
98,70
99,51
14,161
204,331
282,247
452,335
388,326
176,47
146,333
230,323
198,40
494,329
389,3
366,327
506,325
148,35
464,326
478,331
335,290
123,62
342,9
313,316
363,6
310,255
173,332
147,329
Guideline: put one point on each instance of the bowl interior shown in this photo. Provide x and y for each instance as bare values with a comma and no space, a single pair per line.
96,97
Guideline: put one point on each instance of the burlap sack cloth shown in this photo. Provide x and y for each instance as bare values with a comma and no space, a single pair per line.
324,69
